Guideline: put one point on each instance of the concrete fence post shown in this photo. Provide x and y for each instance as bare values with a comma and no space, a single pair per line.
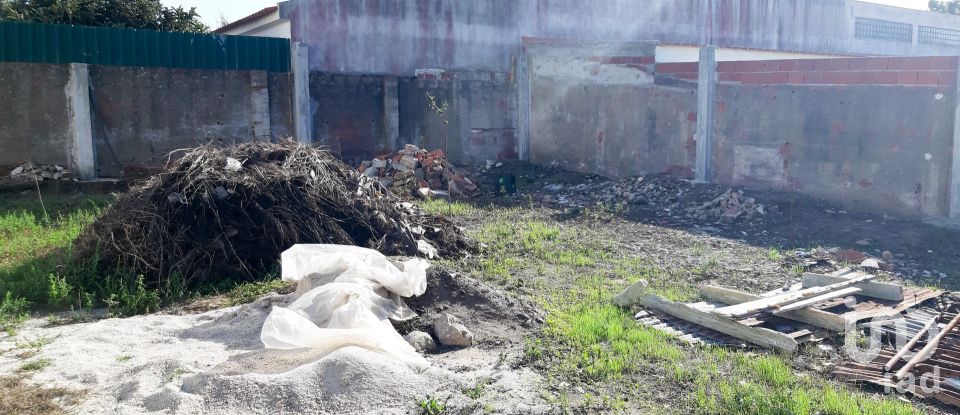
955,166
82,156
260,105
391,109
302,121
523,106
706,93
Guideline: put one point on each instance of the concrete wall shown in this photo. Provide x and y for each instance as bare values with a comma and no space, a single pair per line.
472,117
870,133
598,108
140,115
348,114
34,125
399,37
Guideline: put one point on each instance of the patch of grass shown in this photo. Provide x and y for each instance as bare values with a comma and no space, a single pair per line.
22,398
13,312
123,358
34,366
444,207
431,406
478,389
773,254
250,291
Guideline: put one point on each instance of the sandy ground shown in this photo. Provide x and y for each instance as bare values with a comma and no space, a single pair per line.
214,363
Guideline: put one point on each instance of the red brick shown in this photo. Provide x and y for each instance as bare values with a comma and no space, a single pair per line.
927,78
726,66
794,77
805,64
677,67
752,78
771,66
943,62
692,117
813,77
750,66
832,78
729,77
774,78
869,64
909,63
948,77
822,64
886,78
789,65
907,77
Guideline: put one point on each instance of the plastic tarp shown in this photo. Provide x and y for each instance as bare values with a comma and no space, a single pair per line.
358,291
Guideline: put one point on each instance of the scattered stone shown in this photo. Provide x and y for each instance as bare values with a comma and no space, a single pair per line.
451,332
862,242
40,172
870,263
409,171
887,256
421,341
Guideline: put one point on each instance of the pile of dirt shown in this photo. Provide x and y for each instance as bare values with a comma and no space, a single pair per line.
228,213
488,312
415,171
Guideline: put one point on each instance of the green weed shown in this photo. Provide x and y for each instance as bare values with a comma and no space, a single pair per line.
250,291
444,207
431,406
35,365
13,312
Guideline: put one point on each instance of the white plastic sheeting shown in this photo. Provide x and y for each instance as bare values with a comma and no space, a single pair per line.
359,292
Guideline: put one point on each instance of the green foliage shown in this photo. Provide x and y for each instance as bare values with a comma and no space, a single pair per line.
35,365
431,406
13,312
944,6
247,292
135,14
445,207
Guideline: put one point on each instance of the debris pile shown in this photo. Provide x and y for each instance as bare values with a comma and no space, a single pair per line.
40,172
228,213
731,206
415,171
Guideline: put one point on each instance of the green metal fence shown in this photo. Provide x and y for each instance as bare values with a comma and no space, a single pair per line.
48,43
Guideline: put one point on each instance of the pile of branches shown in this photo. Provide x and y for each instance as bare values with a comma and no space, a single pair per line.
228,213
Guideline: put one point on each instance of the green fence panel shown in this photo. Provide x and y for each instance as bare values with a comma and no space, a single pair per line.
46,43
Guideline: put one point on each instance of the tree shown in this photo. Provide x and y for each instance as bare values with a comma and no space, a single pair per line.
945,6
136,14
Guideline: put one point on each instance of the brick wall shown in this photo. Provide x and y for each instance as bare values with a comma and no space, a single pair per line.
929,70
682,70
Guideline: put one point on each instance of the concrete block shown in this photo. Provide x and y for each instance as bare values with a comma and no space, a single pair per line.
78,102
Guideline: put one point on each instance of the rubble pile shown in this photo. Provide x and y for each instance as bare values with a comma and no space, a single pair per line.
40,172
731,205
227,214
418,172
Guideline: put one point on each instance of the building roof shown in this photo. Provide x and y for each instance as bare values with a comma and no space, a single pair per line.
262,13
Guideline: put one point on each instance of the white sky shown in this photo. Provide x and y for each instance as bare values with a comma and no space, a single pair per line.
210,10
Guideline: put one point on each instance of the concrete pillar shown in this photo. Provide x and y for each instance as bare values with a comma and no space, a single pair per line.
260,105
82,156
523,106
391,109
955,166
302,120
706,98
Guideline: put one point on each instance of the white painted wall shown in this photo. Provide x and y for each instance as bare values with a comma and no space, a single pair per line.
267,26
689,53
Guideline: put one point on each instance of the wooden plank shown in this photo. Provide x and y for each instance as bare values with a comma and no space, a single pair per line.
756,335
881,290
927,350
813,317
818,299
743,309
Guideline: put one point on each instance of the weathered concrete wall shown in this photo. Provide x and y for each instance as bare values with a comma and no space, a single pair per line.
140,115
281,105
472,116
599,109
34,125
348,114
399,37
876,148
